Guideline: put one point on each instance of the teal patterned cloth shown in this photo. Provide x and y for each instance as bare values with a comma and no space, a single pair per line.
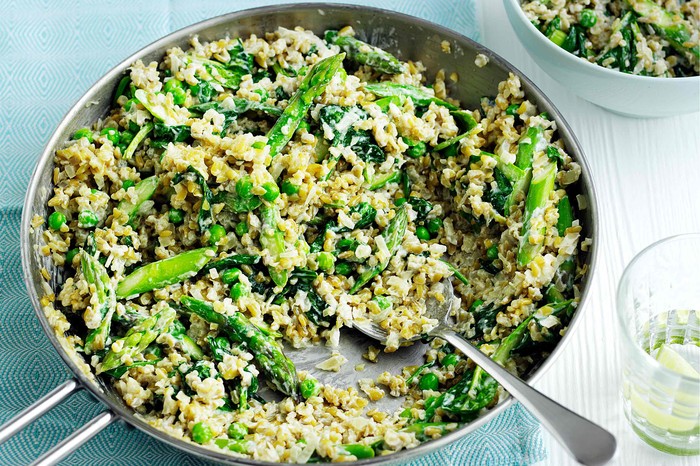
51,52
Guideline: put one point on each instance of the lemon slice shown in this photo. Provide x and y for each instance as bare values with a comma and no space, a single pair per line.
670,359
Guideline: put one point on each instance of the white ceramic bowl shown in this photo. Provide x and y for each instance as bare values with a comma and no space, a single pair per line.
630,95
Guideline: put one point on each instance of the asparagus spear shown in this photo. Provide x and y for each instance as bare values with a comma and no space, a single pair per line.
455,271
532,141
393,235
677,33
416,94
137,339
272,239
519,179
381,181
184,342
134,144
96,275
366,54
165,272
312,86
266,351
566,215
541,187
144,191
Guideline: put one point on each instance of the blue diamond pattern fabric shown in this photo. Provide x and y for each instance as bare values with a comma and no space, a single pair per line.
51,51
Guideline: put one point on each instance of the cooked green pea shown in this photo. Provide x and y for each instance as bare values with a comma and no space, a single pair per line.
201,433
239,290
70,255
512,109
272,192
343,268
492,252
450,360
417,150
242,228
112,135
57,220
434,225
429,381
289,188
83,133
231,276
176,216
216,234
237,431
87,219
325,261
244,187
588,18
127,184
422,233
177,89
309,387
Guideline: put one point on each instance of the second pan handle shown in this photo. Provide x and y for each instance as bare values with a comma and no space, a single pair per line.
41,407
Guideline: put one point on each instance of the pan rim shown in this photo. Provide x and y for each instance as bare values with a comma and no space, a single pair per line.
425,448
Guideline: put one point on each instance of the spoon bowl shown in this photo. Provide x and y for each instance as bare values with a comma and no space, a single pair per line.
585,441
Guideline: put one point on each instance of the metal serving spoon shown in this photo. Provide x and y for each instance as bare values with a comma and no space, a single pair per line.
587,442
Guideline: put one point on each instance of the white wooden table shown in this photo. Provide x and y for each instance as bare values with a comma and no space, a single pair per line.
647,175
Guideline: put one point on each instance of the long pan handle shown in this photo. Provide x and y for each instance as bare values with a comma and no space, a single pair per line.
76,439
38,409
43,405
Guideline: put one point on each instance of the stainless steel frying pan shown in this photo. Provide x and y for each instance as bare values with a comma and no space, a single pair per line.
407,37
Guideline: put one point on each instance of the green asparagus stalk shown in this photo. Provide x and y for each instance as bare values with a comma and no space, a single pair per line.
134,144
678,33
96,275
366,54
532,141
541,188
419,97
137,339
455,271
357,450
519,179
165,272
381,181
266,351
272,239
185,342
144,191
393,235
312,86
566,215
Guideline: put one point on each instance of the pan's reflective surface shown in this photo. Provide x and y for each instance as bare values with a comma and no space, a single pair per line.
408,38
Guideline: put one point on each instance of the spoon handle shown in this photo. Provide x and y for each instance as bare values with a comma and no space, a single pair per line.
587,442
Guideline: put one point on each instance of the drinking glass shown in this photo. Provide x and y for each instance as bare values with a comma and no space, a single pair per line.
658,305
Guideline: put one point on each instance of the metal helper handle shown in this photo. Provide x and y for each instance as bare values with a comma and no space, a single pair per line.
43,405
76,439
39,408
